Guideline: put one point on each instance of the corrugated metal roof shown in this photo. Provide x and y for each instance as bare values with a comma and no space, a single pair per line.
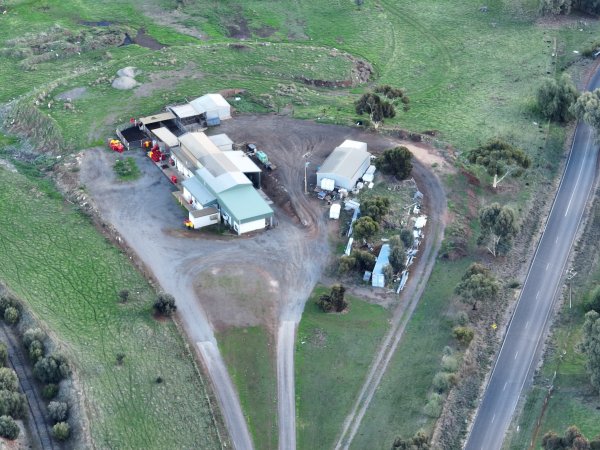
218,164
221,140
349,143
245,204
184,111
209,102
185,158
242,161
204,212
382,260
198,191
223,182
165,135
344,161
198,145
161,117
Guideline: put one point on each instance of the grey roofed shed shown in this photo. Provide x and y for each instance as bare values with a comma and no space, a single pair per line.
184,111
213,105
222,182
345,165
198,191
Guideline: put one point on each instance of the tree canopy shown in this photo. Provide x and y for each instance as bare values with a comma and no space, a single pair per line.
573,439
397,254
394,94
375,207
334,301
377,108
395,161
477,284
498,228
591,346
587,108
566,6
499,159
365,228
555,97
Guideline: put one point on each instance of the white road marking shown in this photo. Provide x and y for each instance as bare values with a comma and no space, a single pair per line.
587,147
537,295
516,354
547,265
493,418
504,388
527,325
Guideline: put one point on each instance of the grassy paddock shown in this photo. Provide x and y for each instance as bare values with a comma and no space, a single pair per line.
397,407
249,355
69,276
333,354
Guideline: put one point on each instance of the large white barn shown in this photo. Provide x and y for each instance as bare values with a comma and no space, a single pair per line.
345,165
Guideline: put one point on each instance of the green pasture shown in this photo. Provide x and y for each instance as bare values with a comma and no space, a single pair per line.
249,355
333,355
69,275
397,407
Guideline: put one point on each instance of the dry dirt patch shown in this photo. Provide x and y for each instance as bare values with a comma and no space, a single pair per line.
237,296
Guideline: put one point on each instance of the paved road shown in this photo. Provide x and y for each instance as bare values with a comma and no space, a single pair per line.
522,344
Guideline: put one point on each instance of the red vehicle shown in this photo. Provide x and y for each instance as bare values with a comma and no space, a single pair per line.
116,145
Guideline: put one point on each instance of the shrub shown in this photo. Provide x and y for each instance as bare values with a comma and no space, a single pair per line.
120,357
61,431
407,238
36,351
464,335
165,304
461,319
433,408
364,260
127,169
9,428
592,301
123,295
8,380
33,334
11,315
346,264
58,411
49,391
449,363
8,301
51,369
12,404
3,354
396,161
443,381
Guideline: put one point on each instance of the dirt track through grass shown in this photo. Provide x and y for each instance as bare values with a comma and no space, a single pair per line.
69,276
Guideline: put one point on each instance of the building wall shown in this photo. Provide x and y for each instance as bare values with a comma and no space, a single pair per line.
204,221
340,182
182,168
251,226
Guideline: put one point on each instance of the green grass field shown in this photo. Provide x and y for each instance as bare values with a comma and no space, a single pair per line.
69,276
470,75
249,355
333,354
397,407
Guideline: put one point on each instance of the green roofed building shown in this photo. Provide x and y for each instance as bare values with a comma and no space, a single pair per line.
219,180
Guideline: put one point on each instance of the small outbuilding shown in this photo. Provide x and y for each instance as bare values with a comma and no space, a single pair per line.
346,164
166,139
213,106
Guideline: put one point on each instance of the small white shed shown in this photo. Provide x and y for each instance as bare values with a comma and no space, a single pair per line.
204,217
334,211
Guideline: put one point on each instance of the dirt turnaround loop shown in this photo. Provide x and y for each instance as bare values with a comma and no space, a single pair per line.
288,259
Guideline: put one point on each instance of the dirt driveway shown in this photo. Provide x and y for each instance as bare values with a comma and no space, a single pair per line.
208,274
